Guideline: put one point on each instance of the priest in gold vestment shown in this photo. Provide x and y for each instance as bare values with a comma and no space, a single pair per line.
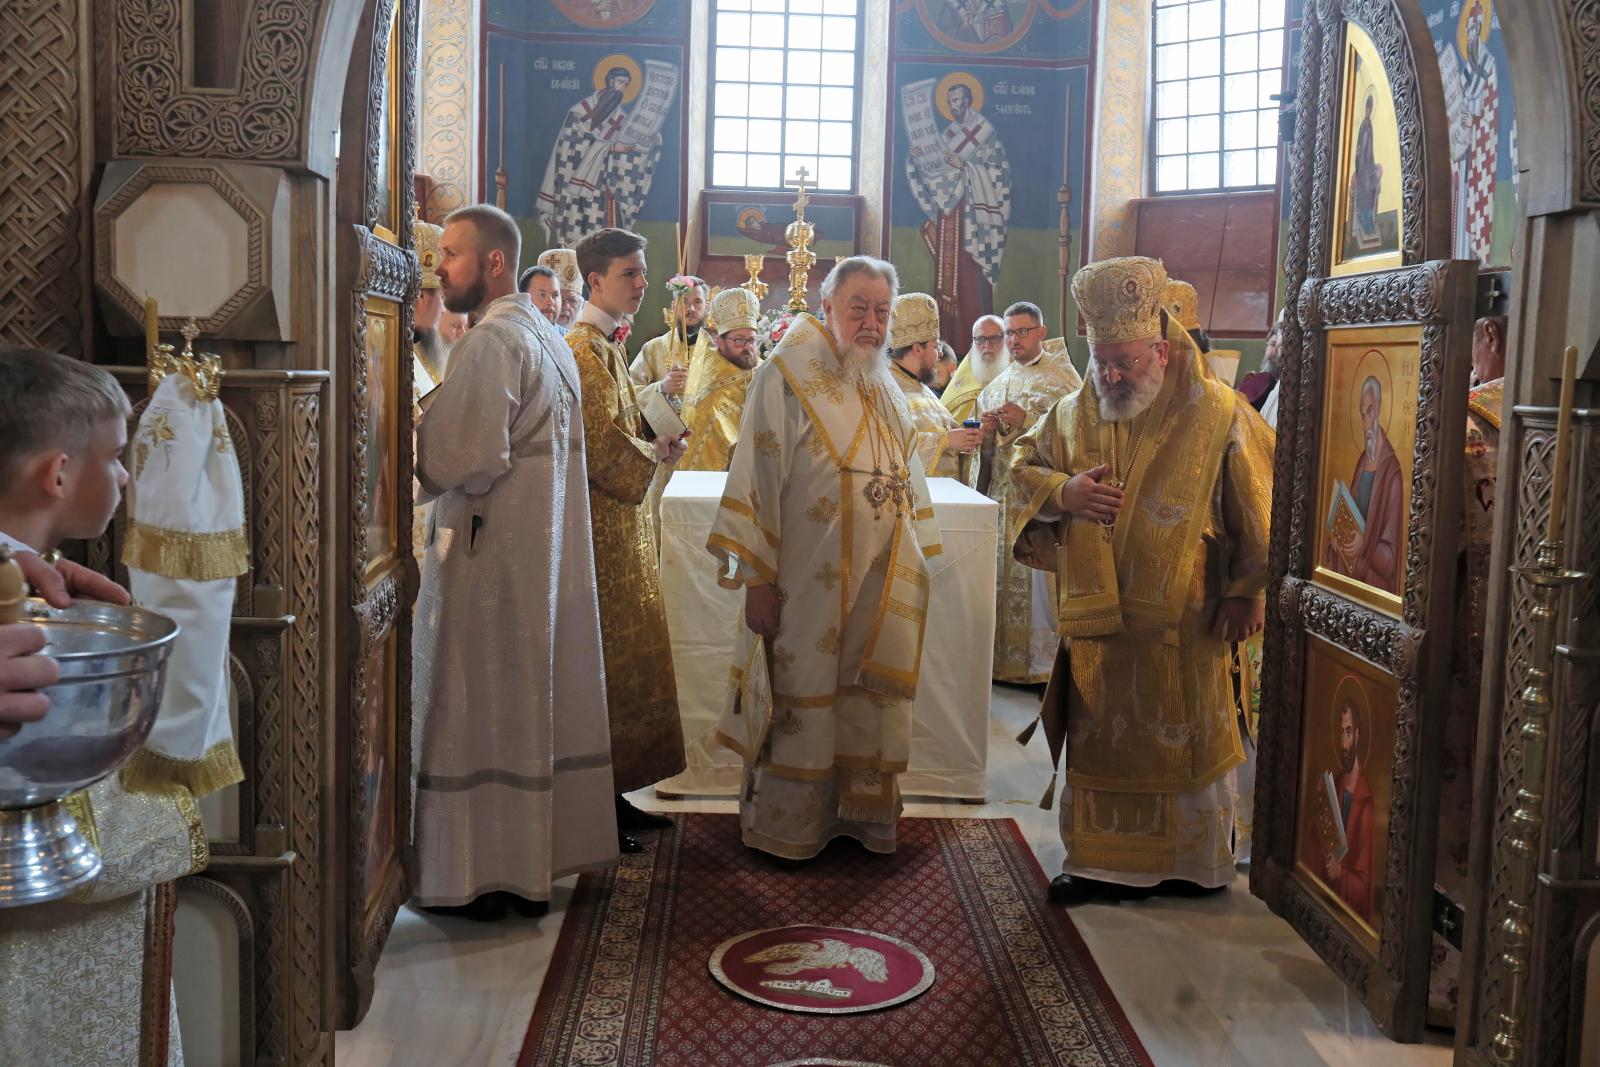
713,401
826,522
641,690
914,355
1148,491
981,365
1009,406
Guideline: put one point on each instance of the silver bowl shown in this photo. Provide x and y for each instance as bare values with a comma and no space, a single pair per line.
113,663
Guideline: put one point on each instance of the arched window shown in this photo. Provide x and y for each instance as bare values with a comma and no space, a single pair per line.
1218,64
784,93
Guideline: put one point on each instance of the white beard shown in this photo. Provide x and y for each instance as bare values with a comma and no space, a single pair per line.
985,372
862,361
1120,410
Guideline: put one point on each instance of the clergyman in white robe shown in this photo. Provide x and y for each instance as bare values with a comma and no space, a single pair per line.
514,785
853,583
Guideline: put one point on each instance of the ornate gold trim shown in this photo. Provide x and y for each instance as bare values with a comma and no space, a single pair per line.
200,557
149,771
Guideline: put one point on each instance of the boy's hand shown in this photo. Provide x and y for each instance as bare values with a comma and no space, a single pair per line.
59,584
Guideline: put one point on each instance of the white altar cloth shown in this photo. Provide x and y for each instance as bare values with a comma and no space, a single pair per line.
950,721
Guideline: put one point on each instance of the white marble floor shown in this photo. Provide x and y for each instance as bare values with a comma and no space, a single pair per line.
1218,982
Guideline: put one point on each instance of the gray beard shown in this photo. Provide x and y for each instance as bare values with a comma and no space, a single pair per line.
431,350
1372,448
862,361
983,373
1134,404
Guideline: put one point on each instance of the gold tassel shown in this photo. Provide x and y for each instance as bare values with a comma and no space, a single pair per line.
150,771
1027,733
1049,799
199,557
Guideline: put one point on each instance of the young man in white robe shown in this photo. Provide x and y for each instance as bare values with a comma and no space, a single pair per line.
826,521
514,784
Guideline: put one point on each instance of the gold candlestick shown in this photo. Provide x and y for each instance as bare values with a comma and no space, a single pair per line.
752,266
1520,855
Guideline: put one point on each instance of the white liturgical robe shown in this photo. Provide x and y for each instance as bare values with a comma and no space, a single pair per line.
826,500
514,783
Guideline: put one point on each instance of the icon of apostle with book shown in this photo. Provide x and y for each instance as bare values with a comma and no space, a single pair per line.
1345,824
1366,513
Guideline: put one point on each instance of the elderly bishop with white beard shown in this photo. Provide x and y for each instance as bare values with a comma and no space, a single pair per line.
826,521
1148,491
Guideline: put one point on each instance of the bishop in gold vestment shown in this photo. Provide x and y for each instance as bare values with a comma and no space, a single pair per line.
942,443
713,401
827,517
1148,490
1025,599
641,690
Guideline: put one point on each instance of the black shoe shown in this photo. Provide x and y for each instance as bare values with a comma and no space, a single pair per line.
631,818
1067,889
528,909
1182,887
627,845
489,908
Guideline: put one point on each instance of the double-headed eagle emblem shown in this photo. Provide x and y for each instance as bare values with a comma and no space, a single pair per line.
792,957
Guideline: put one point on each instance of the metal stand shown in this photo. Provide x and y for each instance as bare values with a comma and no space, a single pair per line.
1521,855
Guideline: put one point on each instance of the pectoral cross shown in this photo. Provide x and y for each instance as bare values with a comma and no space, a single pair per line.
799,179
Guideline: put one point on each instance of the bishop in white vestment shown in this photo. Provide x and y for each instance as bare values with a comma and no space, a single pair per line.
514,786
826,520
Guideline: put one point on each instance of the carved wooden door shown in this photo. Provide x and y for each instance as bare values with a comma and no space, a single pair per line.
1366,511
379,277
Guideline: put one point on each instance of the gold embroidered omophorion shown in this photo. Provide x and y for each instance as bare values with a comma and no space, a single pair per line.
712,403
1024,620
641,691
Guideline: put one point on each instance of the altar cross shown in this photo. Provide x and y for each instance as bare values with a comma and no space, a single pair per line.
799,179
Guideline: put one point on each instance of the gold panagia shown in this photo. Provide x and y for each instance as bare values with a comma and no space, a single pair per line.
641,690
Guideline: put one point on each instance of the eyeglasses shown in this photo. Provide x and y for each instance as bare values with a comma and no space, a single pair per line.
1122,368
986,339
1012,335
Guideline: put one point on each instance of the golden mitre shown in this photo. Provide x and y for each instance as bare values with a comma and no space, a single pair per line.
734,309
1183,304
425,239
1121,299
564,261
916,319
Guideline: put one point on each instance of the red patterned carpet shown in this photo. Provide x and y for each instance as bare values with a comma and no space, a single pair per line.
629,987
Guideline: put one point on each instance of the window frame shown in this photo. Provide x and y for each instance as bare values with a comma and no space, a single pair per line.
710,185
1152,156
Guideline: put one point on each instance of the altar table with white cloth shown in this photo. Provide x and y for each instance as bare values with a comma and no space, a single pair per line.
950,720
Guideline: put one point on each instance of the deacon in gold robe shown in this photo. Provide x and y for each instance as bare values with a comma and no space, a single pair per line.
827,524
1009,406
981,365
914,355
1148,491
714,398
641,690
